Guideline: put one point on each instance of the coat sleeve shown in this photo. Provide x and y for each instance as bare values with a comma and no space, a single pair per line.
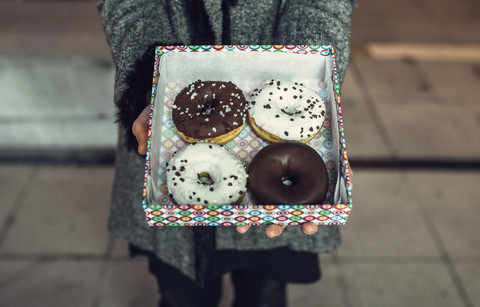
318,22
133,28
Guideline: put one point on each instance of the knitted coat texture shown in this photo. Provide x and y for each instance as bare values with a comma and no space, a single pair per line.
132,28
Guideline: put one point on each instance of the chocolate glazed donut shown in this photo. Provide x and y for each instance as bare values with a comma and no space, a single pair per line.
288,173
208,109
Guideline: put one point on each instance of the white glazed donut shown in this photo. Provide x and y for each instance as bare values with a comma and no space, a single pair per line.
286,111
206,173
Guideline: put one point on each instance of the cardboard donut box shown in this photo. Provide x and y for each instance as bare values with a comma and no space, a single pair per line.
249,67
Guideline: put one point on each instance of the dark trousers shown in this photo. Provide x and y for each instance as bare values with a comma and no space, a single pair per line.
252,289
259,278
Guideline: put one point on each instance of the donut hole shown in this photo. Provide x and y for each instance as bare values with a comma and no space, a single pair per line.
208,108
205,179
286,111
288,180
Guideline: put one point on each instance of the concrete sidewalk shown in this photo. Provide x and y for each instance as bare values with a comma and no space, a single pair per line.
412,239
414,244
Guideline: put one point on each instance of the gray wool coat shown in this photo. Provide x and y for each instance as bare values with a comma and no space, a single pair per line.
132,27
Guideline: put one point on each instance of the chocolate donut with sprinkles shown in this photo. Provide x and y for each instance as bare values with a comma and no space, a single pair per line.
206,174
286,111
288,173
213,111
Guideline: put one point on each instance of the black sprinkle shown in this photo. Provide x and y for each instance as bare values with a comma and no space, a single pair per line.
174,168
177,174
182,179
277,116
198,199
267,106
230,184
182,168
205,202
286,133
211,189
291,119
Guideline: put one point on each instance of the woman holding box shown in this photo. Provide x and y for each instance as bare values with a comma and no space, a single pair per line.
188,262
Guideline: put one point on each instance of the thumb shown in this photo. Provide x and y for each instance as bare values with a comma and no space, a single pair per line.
140,130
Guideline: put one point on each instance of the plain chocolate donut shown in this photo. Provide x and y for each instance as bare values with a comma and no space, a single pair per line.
288,173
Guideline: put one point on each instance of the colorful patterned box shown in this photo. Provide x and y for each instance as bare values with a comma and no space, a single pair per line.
248,67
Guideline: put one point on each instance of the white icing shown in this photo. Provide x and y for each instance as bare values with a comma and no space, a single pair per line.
227,173
266,105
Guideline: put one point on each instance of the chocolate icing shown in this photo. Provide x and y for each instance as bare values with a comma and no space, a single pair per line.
206,109
293,161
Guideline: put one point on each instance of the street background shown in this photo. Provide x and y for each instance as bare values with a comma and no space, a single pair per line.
412,120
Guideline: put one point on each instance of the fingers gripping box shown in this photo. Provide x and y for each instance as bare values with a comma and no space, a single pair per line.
248,67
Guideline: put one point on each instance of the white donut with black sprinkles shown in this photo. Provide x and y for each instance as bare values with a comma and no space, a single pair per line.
286,111
205,173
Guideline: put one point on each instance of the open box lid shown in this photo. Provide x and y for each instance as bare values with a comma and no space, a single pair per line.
248,67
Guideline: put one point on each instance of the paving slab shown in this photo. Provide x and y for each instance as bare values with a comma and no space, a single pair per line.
416,21
459,19
33,87
59,134
48,283
390,78
51,28
120,247
385,220
56,101
325,292
64,211
468,120
454,82
14,179
423,131
451,201
127,284
363,139
425,285
469,274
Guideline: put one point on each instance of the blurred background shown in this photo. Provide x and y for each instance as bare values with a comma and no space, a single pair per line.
412,120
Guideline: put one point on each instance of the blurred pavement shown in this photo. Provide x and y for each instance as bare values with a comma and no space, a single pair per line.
412,125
